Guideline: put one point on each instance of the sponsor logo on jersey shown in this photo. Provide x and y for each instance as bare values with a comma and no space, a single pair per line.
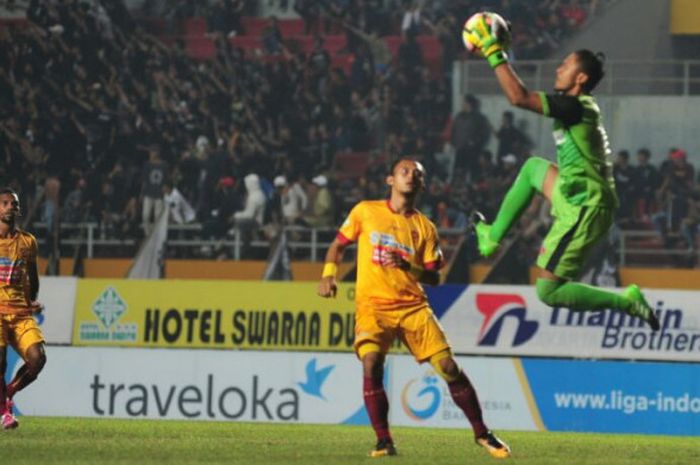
10,270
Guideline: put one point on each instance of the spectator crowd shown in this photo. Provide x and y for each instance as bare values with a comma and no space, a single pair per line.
666,197
101,121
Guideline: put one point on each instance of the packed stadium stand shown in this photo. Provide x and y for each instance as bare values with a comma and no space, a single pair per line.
106,109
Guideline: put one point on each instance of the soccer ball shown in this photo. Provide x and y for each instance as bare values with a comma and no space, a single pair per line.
499,28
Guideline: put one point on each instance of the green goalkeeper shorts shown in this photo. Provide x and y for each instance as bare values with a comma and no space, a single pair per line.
574,233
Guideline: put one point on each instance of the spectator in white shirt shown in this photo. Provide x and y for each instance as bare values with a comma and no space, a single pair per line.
180,209
293,199
254,208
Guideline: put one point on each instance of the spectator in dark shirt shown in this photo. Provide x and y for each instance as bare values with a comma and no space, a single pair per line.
410,57
74,205
510,138
272,37
676,188
471,132
646,180
310,11
624,184
215,219
691,222
155,173
224,17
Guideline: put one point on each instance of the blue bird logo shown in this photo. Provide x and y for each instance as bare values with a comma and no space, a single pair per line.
315,379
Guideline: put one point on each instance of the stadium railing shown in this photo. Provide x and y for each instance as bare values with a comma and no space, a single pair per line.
633,246
622,77
308,243
638,247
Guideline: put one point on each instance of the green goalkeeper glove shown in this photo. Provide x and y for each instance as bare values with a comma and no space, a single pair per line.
491,47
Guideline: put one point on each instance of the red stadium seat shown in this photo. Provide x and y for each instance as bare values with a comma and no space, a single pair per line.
350,164
247,42
195,26
291,27
300,43
430,45
431,50
200,48
333,44
253,26
393,42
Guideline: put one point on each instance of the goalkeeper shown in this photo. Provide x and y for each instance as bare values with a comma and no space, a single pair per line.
580,186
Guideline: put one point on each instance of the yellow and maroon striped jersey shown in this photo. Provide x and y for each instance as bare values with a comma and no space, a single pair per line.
378,229
15,255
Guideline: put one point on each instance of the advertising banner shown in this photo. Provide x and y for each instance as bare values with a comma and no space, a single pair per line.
294,387
212,314
479,319
616,397
307,387
194,384
58,296
511,320
419,397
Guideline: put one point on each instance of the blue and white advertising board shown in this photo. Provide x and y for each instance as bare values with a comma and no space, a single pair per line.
302,387
512,321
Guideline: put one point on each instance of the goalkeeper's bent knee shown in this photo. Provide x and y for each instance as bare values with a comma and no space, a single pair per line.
435,362
535,170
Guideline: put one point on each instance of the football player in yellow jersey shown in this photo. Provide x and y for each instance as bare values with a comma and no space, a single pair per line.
397,249
19,287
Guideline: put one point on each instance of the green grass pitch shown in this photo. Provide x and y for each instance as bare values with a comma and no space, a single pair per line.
143,442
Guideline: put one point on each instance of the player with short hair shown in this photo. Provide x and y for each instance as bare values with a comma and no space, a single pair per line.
19,287
397,249
580,186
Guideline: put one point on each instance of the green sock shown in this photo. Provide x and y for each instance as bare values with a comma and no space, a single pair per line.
528,182
577,296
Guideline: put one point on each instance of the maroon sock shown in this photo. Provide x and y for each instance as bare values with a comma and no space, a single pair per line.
377,406
465,397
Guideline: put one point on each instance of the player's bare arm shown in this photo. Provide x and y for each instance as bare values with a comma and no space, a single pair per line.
328,287
33,276
513,87
488,34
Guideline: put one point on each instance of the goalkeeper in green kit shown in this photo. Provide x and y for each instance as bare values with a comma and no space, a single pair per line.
580,186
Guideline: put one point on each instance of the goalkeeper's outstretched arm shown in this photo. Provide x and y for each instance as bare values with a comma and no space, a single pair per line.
514,88
492,46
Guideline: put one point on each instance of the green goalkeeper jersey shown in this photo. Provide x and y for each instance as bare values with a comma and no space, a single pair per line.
583,151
